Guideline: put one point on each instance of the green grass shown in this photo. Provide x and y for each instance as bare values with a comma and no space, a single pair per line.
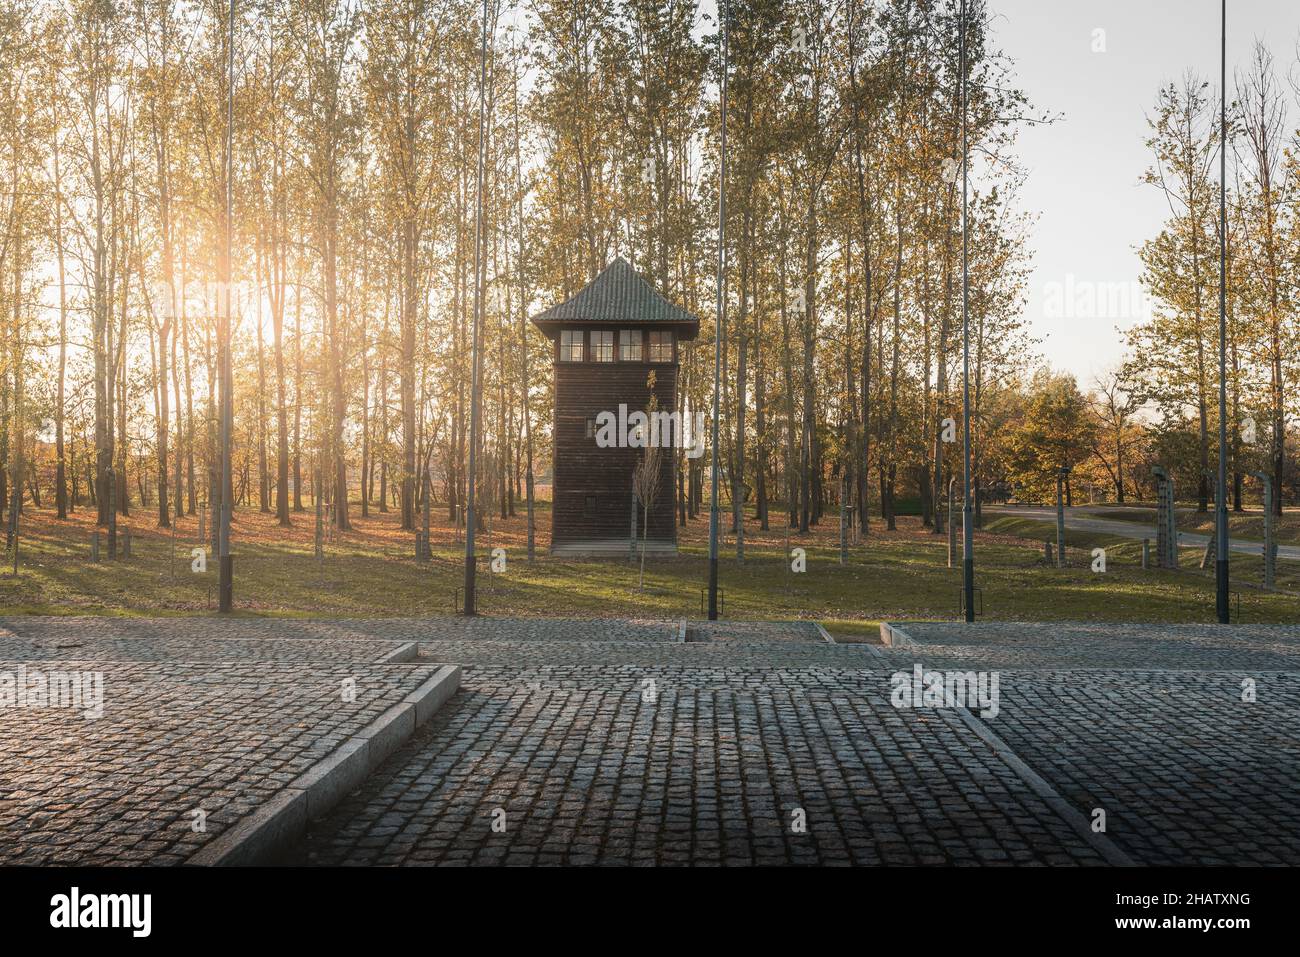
369,572
849,632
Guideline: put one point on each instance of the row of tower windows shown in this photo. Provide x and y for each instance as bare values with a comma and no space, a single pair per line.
631,348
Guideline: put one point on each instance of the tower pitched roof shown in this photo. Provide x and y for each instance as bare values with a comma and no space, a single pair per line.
620,296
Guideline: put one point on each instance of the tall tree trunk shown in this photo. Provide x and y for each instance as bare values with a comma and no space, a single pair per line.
263,472
60,471
297,395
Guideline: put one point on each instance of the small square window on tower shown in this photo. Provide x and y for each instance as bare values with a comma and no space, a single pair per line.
661,346
602,345
629,345
571,345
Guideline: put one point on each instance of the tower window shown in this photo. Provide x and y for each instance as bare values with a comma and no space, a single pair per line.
571,345
661,346
602,346
629,345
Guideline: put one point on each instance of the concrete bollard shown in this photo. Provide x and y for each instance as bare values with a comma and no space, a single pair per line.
1146,553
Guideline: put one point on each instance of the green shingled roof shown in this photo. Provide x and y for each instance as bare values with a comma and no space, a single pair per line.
619,295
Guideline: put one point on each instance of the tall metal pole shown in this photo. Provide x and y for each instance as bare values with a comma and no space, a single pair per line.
523,310
471,607
225,583
967,509
720,319
1221,492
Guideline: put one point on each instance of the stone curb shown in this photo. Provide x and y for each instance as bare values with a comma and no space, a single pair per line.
892,636
407,651
270,828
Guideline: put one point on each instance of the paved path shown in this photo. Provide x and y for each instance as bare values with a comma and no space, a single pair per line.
605,764
1186,736
218,737
591,741
213,628
1185,771
1081,520
1023,646
557,745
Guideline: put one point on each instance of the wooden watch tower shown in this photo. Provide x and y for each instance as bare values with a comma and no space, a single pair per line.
607,340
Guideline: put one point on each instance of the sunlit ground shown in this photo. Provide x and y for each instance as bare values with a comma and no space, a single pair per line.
371,571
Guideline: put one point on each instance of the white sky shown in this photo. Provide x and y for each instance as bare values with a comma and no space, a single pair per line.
1084,171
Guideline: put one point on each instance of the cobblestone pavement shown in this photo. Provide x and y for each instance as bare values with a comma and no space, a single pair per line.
705,655
753,631
1151,724
614,742
390,629
1184,769
574,765
1104,645
174,737
1146,723
177,647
